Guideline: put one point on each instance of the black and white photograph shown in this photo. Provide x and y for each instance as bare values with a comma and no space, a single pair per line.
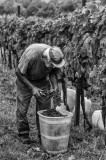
52,80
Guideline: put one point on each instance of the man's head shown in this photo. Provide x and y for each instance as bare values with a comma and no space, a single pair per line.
54,57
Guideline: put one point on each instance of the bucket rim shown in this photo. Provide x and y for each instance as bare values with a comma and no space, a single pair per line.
39,113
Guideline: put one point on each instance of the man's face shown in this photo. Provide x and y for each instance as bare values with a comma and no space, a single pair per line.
48,63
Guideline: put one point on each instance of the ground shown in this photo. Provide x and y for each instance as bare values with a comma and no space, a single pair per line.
83,145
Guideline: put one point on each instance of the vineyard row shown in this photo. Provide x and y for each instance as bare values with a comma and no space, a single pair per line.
79,36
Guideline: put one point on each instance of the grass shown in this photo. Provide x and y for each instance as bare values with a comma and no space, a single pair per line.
83,145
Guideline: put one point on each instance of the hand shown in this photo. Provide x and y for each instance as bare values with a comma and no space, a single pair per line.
37,92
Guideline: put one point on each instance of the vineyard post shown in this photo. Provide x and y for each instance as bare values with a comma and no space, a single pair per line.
18,11
9,59
83,3
105,130
77,106
1,51
104,121
15,59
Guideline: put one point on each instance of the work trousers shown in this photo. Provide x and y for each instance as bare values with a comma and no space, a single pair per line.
23,98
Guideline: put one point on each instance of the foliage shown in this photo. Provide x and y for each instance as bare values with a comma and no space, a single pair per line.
38,8
103,2
68,6
26,3
8,7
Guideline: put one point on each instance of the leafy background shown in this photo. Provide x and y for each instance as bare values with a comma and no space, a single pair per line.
38,8
81,36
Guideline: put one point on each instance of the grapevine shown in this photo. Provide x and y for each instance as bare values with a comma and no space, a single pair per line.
79,36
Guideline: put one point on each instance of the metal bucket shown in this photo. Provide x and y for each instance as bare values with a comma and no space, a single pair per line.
55,132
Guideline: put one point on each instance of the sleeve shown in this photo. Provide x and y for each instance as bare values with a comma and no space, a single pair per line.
23,64
25,59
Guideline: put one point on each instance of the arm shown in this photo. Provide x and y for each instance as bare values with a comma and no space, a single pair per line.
36,91
54,77
54,81
64,88
23,79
